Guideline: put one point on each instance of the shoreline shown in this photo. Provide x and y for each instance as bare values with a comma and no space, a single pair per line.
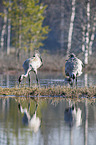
59,91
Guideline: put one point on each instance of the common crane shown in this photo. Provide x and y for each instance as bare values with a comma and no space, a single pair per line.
31,64
73,67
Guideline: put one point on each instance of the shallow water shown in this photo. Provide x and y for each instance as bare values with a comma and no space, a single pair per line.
47,79
54,123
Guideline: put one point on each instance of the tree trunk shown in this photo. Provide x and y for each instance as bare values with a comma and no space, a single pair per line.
71,27
62,26
83,38
8,37
18,50
9,31
3,31
87,33
92,36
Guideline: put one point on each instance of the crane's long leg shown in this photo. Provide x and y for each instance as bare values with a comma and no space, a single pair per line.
29,79
36,76
76,81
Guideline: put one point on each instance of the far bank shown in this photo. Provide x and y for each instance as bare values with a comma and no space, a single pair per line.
51,62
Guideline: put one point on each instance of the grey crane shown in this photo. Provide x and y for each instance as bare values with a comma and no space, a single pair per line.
31,64
73,67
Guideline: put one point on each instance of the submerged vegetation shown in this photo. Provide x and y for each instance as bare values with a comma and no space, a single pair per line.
50,91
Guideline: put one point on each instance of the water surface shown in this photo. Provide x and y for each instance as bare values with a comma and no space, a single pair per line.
47,121
46,79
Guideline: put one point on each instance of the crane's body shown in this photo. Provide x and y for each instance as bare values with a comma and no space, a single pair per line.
31,64
73,67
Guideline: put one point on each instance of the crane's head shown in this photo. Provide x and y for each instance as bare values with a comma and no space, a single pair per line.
37,53
72,55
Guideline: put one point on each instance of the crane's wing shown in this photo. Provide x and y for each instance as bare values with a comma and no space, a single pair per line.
26,65
69,66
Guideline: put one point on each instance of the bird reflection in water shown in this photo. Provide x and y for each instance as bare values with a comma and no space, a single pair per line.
32,121
73,116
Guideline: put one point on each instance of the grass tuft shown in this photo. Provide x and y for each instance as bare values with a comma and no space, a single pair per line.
50,91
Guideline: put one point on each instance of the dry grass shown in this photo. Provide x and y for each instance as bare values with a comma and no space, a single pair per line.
51,91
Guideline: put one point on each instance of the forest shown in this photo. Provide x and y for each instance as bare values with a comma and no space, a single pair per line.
68,26
51,107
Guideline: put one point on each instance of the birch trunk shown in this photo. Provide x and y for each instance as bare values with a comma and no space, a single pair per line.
92,36
3,30
62,25
8,37
83,38
9,31
71,27
87,32
19,48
